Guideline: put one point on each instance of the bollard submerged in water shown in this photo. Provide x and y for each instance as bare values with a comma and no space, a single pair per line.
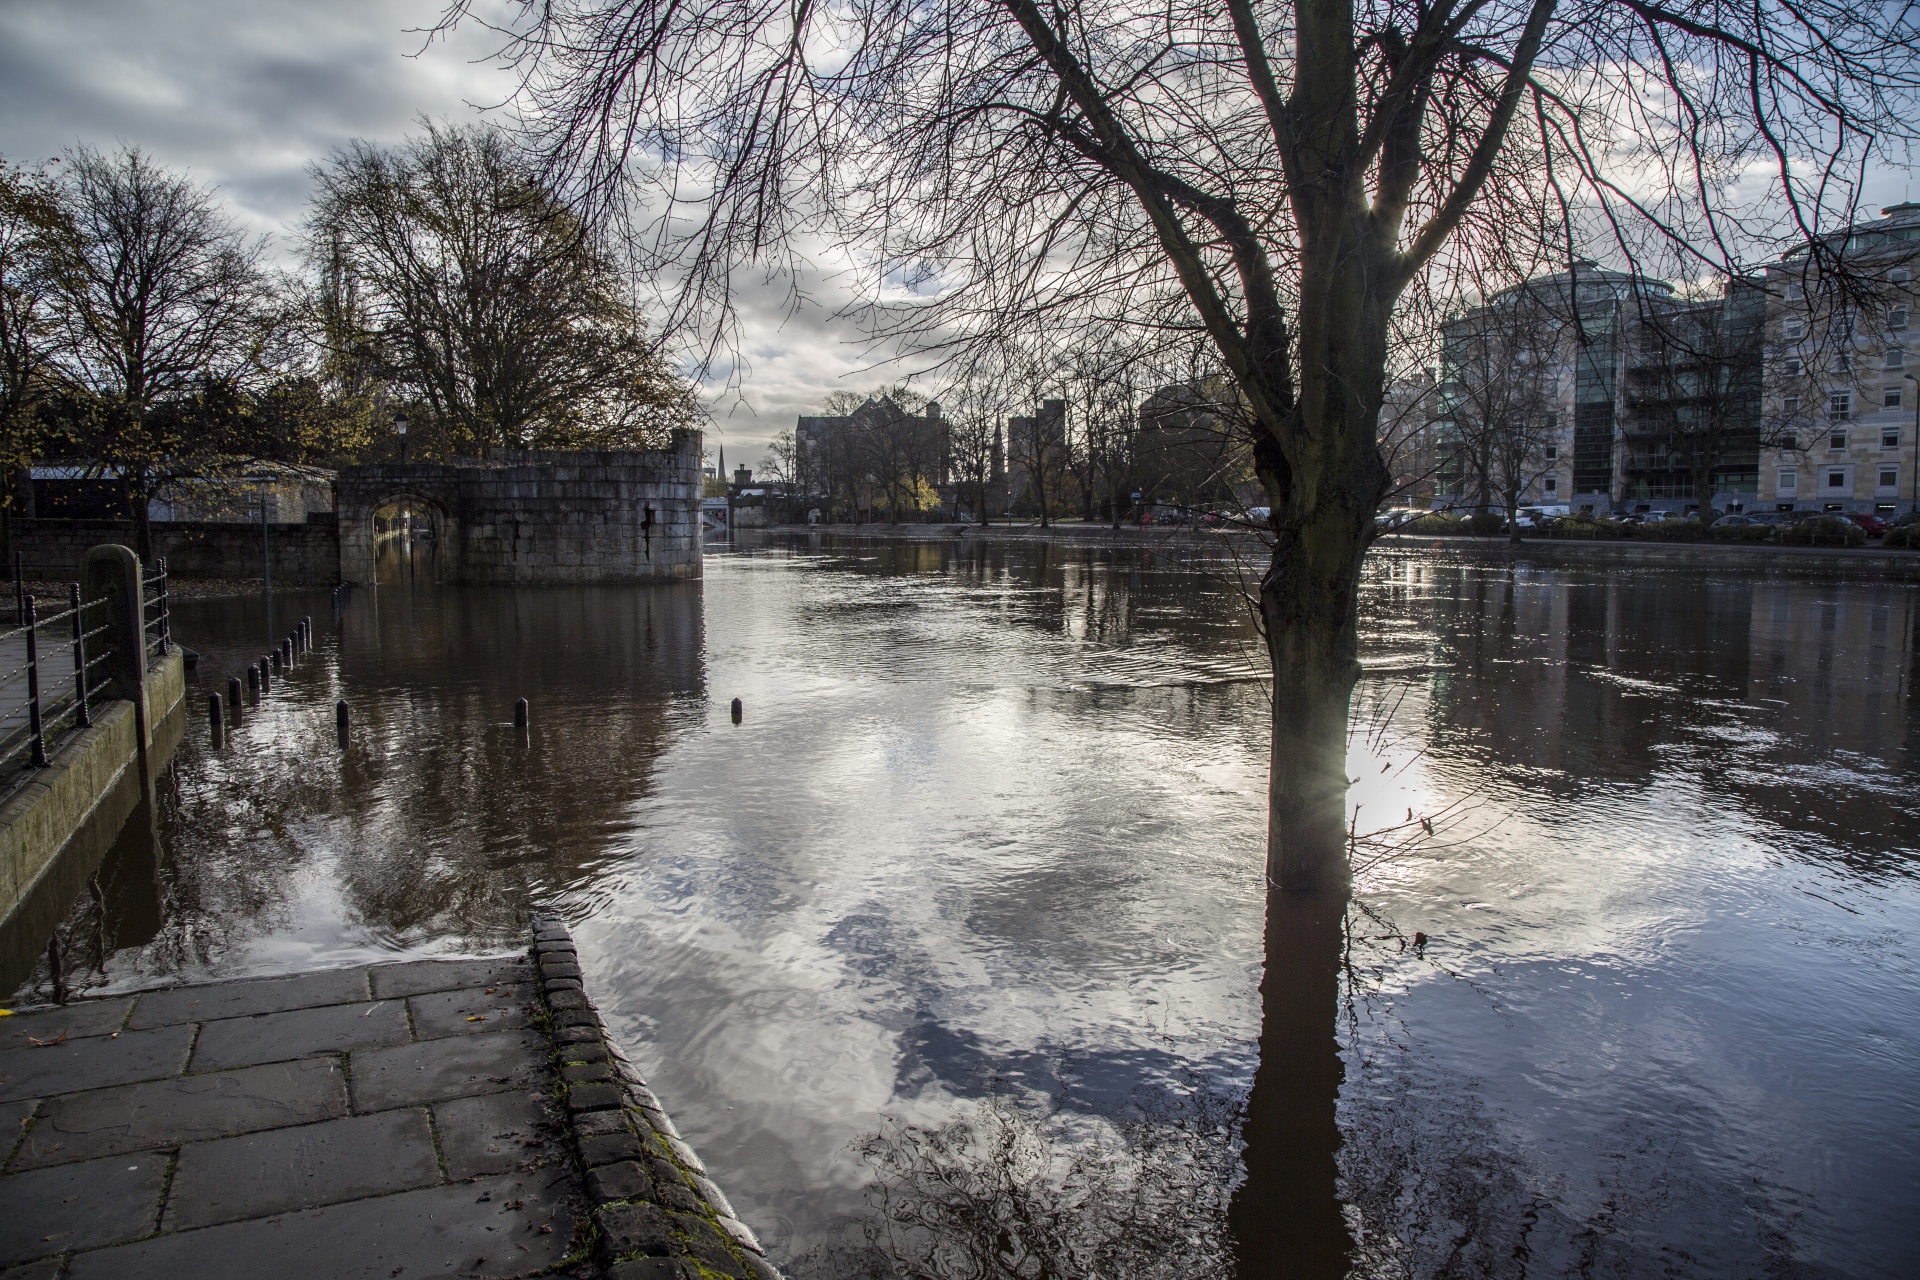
342,719
215,716
233,697
266,674
520,714
736,711
253,682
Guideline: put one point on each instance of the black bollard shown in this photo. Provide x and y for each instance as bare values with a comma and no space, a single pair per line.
266,675
306,632
253,683
736,711
274,662
342,717
286,652
214,715
520,714
233,697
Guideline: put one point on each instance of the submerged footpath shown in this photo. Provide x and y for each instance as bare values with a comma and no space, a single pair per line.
428,1118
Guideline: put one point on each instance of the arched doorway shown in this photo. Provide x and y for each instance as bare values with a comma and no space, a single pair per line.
409,537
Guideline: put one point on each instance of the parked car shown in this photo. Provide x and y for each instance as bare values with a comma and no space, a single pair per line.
1735,522
1874,525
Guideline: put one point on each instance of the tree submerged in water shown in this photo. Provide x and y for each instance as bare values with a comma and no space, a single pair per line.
1007,1193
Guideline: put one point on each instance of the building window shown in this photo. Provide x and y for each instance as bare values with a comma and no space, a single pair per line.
1840,406
1792,367
1836,478
1553,452
1889,477
1897,276
1790,405
1787,482
1896,358
1897,318
1550,486
1793,330
1843,362
1889,437
1836,439
1890,398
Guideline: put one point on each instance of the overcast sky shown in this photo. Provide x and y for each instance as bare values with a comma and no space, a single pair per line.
245,94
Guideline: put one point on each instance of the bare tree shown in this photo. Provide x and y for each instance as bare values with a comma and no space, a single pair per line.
163,312
780,462
35,239
487,301
1502,391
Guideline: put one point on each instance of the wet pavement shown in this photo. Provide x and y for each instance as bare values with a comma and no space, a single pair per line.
985,848
381,1121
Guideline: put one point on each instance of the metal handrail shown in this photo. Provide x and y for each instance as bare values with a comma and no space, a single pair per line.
53,702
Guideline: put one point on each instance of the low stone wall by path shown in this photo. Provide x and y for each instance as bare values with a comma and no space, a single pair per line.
656,1214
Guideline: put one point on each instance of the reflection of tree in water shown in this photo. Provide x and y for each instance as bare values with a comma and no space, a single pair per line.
1008,1192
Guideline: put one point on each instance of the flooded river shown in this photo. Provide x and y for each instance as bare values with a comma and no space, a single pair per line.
987,844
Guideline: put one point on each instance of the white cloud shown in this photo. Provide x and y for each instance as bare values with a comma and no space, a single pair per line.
245,94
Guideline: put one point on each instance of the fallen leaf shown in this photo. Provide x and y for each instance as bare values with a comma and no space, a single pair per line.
38,1043
6,1013
476,1017
546,1228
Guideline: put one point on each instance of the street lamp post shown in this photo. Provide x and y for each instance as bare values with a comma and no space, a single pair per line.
400,426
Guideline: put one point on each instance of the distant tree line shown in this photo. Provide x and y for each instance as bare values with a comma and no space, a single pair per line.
146,337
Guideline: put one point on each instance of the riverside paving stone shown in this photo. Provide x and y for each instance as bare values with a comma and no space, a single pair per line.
298,1033
495,1133
45,1269
450,1013
75,1021
164,1113
93,1063
13,1119
208,1001
434,1070
489,1228
261,1174
77,1206
421,976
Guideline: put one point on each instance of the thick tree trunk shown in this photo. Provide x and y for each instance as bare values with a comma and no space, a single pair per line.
1308,601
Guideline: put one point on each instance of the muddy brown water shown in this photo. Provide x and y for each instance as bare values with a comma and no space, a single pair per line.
986,847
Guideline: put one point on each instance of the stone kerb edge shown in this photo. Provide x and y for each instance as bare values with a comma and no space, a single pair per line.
655,1214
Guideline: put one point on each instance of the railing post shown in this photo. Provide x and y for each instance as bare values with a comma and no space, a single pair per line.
110,582
33,686
166,621
81,716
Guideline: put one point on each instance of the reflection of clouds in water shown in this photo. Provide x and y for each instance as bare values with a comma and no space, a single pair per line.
993,821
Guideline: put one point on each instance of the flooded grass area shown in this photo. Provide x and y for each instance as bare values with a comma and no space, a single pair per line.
963,924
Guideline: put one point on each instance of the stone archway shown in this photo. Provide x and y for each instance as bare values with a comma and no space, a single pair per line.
411,540
393,528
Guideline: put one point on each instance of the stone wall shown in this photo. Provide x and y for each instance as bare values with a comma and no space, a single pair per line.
538,517
306,554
